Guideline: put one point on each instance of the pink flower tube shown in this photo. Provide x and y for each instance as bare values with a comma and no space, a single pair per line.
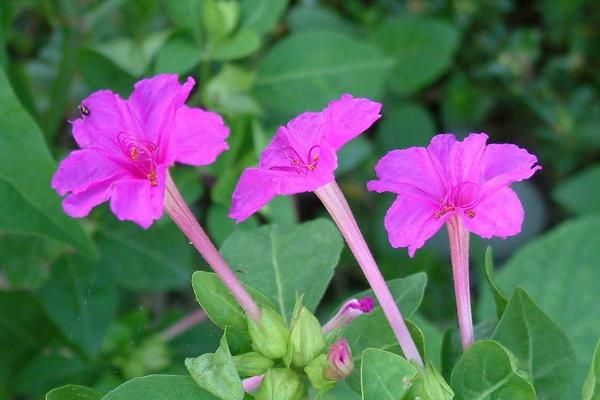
464,185
126,147
302,158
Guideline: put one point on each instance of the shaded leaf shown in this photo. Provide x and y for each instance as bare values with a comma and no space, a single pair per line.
385,375
591,388
159,387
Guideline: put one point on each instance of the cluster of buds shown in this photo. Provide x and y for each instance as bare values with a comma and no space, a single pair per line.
284,356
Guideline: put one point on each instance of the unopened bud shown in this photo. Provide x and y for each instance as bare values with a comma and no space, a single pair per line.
341,361
350,310
252,364
270,337
429,384
306,339
281,384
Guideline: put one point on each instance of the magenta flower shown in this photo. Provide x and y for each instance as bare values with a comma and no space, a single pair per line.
341,361
468,179
127,146
302,155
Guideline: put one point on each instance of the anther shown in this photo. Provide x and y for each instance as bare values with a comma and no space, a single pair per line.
470,213
152,178
134,153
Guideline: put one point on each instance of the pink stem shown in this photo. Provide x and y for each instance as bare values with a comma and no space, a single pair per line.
252,383
332,197
459,253
183,325
180,213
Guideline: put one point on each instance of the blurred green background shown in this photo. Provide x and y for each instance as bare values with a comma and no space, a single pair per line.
85,301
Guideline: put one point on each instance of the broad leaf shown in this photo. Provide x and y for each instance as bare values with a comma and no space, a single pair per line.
47,371
216,373
385,375
160,387
487,371
305,70
283,261
499,296
242,44
159,258
591,388
178,55
261,16
422,47
580,194
27,203
560,272
541,346
81,299
73,392
405,125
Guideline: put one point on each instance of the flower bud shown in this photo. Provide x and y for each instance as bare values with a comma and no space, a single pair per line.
270,337
281,384
252,363
350,310
306,339
429,384
340,359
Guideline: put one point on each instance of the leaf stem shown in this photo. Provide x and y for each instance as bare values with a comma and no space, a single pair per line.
183,217
334,201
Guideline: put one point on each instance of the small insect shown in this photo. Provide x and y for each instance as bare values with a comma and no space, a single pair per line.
83,110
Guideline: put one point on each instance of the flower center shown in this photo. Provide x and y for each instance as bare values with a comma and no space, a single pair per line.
141,152
464,196
297,164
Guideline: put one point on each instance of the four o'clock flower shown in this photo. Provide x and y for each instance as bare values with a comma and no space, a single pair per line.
465,185
126,147
340,358
302,158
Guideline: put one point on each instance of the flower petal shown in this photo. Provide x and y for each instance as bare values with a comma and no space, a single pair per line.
108,116
409,172
455,161
153,104
499,214
138,201
254,190
348,117
504,164
80,204
409,223
198,138
81,169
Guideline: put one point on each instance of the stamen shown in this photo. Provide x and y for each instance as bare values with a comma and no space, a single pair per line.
141,152
470,213
134,153
443,211
152,178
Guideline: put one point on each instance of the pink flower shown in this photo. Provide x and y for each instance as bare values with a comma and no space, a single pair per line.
302,155
468,179
341,361
349,311
127,145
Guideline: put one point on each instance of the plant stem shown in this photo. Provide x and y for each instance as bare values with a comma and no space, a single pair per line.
332,197
183,217
459,253
183,325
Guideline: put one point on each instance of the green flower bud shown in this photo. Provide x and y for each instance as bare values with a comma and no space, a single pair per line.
317,372
271,337
251,364
281,384
306,340
429,384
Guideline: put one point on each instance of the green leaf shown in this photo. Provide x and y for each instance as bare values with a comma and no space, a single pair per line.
422,47
216,373
81,299
283,261
73,392
240,45
560,272
23,260
160,387
180,54
98,73
186,14
591,388
228,91
27,203
314,17
580,194
219,304
261,16
541,346
306,70
405,125
159,258
373,330
465,104
133,56
487,371
499,296
385,375
353,153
